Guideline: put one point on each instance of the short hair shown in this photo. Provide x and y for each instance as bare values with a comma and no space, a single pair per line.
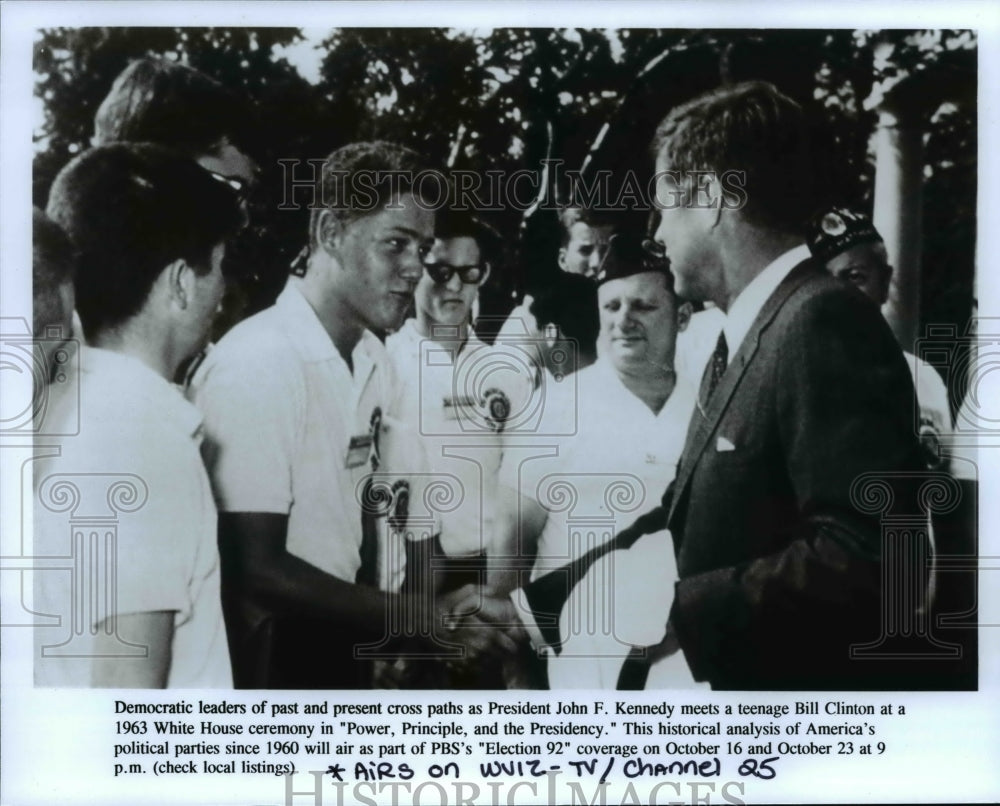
456,223
157,100
752,128
569,216
53,263
569,301
131,209
387,169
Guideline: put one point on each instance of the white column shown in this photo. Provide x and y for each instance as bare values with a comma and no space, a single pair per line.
898,214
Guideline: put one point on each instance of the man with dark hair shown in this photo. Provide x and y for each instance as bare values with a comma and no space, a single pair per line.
459,395
53,264
157,100
806,392
852,250
149,228
300,407
805,398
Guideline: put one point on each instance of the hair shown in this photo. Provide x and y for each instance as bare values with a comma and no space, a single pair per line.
570,216
360,179
456,223
132,209
751,128
569,301
156,100
53,263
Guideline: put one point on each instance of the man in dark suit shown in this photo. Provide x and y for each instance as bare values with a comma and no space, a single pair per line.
805,409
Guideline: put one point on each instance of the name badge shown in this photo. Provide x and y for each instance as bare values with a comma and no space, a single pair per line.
455,407
358,451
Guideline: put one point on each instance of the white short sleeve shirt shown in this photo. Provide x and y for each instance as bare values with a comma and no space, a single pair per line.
615,467
125,520
454,403
286,422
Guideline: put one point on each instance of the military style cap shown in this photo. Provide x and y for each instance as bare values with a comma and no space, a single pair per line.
837,230
626,256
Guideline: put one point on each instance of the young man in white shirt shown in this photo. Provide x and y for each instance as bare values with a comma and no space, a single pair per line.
299,403
128,483
459,394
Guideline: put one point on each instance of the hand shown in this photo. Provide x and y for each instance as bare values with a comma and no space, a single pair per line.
485,625
483,603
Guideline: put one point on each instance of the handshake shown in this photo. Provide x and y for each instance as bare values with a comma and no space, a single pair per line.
485,629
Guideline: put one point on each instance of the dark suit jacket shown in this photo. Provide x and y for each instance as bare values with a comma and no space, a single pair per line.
780,569
780,563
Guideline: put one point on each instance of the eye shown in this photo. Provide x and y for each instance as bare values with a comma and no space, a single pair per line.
612,305
424,250
397,245
857,276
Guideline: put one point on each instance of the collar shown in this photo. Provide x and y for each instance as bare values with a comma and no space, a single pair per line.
310,338
750,301
409,333
130,379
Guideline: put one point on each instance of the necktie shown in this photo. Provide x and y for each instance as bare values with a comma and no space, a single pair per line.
715,369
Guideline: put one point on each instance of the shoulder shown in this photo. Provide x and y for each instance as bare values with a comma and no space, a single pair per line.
821,303
256,354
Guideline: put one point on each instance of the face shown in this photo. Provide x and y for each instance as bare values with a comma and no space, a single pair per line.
448,303
865,266
685,231
638,323
585,250
206,300
381,262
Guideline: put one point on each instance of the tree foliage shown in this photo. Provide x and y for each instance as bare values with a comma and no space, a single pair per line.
489,100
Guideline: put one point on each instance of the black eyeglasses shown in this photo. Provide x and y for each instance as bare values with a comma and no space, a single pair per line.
240,187
470,275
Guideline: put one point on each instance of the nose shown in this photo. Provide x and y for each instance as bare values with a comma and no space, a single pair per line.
454,283
594,260
622,319
660,235
410,268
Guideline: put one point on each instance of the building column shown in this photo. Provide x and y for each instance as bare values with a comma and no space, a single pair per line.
898,210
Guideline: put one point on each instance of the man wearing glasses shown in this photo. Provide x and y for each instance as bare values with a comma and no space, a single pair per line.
459,394
297,402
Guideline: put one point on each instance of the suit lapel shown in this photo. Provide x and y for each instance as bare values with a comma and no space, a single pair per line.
705,422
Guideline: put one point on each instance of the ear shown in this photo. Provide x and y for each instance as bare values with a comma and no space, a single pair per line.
562,258
684,313
178,278
328,232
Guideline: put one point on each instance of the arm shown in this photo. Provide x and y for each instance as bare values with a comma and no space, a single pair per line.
255,560
152,630
519,522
